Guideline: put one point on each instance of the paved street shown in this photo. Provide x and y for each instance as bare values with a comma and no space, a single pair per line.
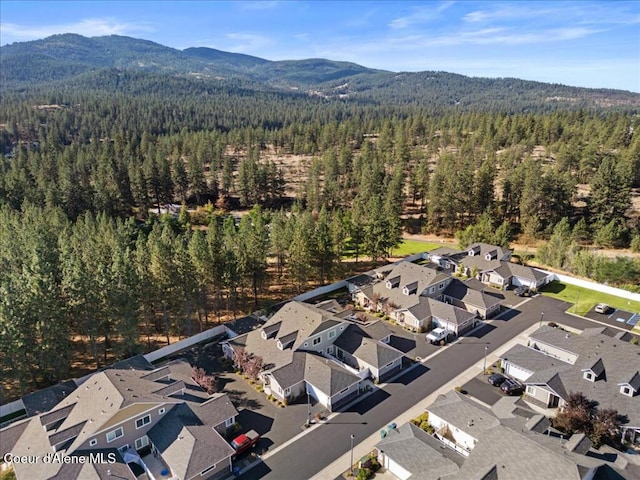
324,444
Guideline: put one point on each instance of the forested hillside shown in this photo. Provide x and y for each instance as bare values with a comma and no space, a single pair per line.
90,271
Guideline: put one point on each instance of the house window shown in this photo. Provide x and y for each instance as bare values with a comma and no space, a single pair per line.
306,344
141,422
123,448
317,340
627,391
332,333
142,442
531,390
117,433
287,391
345,390
161,411
93,442
229,422
432,289
207,470
441,286
589,376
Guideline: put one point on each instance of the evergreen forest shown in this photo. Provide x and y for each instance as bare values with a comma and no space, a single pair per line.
142,206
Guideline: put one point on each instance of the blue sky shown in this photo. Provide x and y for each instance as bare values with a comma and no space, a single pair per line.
590,44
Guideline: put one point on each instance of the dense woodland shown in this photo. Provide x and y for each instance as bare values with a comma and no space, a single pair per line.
88,267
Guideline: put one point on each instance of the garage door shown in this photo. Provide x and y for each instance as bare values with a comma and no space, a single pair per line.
517,372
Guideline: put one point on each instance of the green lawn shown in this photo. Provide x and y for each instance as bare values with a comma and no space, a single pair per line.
586,298
410,247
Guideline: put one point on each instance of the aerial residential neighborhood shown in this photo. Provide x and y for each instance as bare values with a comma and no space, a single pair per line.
331,355
319,240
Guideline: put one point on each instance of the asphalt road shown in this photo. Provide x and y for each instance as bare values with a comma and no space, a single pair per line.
311,453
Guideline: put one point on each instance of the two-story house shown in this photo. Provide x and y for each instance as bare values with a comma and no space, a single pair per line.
506,442
155,421
600,362
490,264
313,350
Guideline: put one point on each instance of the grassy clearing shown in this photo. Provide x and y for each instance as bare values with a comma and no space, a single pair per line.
411,247
586,299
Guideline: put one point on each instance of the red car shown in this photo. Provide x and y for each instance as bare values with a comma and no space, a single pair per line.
244,442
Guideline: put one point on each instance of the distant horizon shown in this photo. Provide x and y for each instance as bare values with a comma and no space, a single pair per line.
592,44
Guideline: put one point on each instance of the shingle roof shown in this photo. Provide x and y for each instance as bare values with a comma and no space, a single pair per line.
46,399
615,359
355,341
215,410
578,443
10,435
417,277
532,360
327,375
410,447
459,412
465,292
185,444
95,470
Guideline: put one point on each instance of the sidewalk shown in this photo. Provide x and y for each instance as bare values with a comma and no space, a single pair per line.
363,448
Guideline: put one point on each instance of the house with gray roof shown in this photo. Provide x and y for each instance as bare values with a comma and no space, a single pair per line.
491,264
471,442
319,351
472,297
159,419
402,287
605,368
430,313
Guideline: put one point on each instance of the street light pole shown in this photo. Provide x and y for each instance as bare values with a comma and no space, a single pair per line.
484,369
351,465
308,408
541,318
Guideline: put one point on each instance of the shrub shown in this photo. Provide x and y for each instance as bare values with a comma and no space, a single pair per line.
634,341
364,474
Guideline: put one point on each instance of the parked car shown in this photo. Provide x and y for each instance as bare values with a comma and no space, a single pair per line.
244,442
511,387
437,335
496,379
522,291
602,308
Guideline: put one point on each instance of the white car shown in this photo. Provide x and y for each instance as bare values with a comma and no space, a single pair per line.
602,308
437,335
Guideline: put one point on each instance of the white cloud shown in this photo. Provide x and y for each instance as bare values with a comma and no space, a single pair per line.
502,36
567,12
90,27
420,15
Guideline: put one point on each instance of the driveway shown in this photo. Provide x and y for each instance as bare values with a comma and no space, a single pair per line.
413,345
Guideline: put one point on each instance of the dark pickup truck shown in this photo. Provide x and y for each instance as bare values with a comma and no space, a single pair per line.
244,442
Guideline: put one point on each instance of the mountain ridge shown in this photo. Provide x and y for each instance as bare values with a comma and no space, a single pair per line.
65,57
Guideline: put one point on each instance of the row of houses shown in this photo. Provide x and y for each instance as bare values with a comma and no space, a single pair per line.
324,351
157,421
508,441
435,294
